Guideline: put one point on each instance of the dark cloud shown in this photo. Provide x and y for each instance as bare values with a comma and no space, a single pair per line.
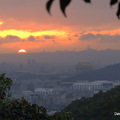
31,38
36,39
76,35
54,41
88,36
79,34
49,37
10,39
108,38
102,38
69,39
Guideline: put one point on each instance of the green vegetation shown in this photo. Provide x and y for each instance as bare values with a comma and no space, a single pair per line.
99,107
20,109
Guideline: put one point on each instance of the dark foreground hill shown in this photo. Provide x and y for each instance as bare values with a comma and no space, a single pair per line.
102,106
111,72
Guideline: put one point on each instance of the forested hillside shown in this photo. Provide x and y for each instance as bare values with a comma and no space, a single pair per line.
101,106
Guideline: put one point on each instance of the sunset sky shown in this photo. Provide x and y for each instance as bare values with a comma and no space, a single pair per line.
25,24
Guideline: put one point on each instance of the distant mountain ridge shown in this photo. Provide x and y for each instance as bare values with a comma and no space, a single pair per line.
111,72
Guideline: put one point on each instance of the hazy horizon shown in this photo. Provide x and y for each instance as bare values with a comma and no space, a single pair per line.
96,57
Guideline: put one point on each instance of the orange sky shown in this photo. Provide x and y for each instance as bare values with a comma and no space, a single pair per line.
26,24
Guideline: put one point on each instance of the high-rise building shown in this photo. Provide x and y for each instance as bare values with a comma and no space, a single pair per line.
83,67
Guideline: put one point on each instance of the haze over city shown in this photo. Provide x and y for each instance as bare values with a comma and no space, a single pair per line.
52,63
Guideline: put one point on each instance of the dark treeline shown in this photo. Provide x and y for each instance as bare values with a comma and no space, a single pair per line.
102,106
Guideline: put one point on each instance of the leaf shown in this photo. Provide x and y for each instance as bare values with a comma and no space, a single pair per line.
87,1
112,2
118,12
63,5
48,5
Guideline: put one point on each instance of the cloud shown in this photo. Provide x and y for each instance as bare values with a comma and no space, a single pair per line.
53,41
13,39
79,34
76,35
49,37
10,39
36,39
100,37
108,38
31,38
88,36
69,39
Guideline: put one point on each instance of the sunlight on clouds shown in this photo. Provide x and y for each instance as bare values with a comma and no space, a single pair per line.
58,40
25,34
104,32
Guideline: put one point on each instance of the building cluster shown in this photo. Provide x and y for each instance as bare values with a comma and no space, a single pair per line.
48,97
60,96
88,89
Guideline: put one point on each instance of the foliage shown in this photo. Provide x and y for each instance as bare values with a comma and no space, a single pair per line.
5,84
99,107
65,3
20,109
62,116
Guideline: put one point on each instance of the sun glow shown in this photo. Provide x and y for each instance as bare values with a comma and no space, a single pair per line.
22,51
25,34
1,22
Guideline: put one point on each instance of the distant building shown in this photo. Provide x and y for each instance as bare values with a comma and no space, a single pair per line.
94,86
83,67
116,83
41,96
44,91
88,89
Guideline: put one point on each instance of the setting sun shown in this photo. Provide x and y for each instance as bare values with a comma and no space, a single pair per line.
22,51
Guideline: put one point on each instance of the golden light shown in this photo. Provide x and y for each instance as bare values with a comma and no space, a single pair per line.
25,34
1,22
22,51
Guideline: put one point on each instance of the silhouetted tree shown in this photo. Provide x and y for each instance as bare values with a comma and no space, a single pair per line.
20,109
102,106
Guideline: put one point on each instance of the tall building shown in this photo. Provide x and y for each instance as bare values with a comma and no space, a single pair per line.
94,85
88,89
83,67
